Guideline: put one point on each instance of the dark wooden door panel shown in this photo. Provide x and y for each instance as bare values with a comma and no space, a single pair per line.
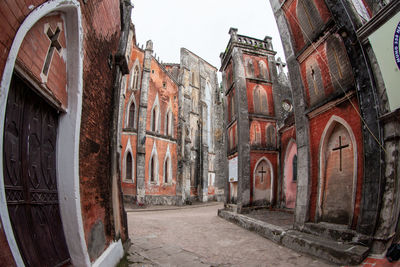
30,177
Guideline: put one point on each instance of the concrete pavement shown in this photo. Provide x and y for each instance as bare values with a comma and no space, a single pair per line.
198,237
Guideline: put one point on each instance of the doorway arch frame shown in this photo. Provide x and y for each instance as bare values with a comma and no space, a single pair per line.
333,121
68,130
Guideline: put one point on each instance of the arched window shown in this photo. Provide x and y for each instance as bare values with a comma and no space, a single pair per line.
294,163
309,19
340,68
314,80
169,123
249,67
263,70
136,78
131,117
270,136
166,172
129,172
153,121
255,137
167,132
134,83
260,100
167,168
152,172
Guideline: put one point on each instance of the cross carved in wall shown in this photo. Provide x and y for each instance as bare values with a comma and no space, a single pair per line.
54,44
340,147
262,173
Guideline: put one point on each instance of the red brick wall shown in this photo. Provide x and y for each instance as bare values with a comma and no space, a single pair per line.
6,258
100,40
263,127
167,97
268,88
317,126
291,16
320,58
129,188
255,59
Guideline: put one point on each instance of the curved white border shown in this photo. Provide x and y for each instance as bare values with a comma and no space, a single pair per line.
321,179
271,198
68,132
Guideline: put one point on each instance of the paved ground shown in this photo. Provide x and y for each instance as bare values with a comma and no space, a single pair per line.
198,237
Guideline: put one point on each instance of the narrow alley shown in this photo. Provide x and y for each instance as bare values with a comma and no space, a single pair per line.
196,236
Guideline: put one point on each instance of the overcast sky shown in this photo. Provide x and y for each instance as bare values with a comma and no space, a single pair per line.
201,26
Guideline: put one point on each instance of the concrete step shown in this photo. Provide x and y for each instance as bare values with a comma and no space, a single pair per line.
343,253
333,251
335,232
231,207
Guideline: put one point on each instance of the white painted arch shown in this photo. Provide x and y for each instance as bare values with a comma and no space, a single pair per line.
334,120
68,132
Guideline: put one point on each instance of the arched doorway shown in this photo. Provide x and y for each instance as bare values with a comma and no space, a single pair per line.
290,175
67,144
338,173
263,182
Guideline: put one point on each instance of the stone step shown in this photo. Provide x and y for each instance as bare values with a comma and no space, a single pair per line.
339,233
342,253
333,251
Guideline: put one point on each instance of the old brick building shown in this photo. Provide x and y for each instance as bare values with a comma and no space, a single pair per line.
170,117
333,160
254,88
59,65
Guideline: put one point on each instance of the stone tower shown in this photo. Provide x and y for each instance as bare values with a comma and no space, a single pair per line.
254,91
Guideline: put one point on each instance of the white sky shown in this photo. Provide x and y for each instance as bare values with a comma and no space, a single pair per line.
201,26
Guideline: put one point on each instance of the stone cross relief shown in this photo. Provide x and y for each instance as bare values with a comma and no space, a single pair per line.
340,147
262,174
54,44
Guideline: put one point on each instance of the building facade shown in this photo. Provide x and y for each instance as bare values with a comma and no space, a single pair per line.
345,168
258,104
334,164
169,120
59,202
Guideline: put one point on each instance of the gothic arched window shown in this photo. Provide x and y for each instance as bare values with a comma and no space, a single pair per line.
294,168
260,100
129,171
263,70
131,117
270,136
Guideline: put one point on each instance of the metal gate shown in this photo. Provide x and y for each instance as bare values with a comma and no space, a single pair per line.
30,134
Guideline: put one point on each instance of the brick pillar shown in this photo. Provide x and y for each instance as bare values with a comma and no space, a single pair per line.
141,134
242,125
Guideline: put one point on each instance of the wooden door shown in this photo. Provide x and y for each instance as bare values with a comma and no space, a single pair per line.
30,177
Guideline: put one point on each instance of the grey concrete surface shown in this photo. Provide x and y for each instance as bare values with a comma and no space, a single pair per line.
198,237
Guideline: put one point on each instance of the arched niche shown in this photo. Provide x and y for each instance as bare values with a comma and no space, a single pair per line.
263,182
338,173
